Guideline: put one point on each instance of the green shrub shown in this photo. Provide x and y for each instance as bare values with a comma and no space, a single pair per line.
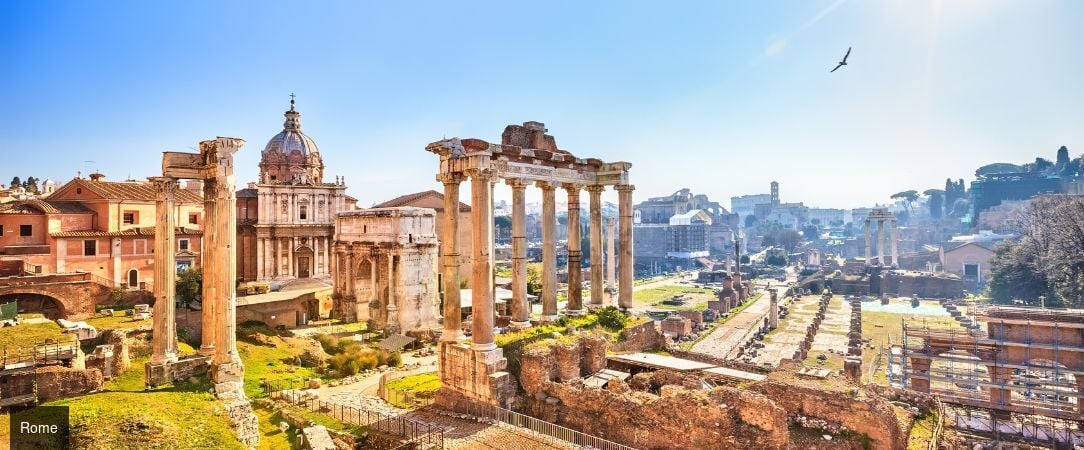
612,319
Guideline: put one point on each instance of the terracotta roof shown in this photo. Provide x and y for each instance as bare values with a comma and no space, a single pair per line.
34,206
407,200
143,231
129,190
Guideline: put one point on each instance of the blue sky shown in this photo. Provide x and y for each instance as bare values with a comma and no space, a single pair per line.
720,97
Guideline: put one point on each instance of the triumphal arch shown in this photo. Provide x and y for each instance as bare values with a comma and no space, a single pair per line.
526,156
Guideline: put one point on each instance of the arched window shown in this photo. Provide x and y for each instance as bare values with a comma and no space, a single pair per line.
133,278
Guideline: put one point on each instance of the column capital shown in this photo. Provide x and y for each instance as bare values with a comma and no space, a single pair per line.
572,188
517,183
451,177
481,174
625,187
545,185
595,189
165,187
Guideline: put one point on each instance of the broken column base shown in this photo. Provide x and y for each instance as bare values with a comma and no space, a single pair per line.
852,368
477,375
158,374
228,379
243,421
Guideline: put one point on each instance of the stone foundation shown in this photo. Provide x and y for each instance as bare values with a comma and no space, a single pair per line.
243,421
478,375
61,382
639,338
155,375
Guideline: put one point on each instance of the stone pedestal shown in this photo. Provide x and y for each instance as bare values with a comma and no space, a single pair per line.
158,374
474,374
852,368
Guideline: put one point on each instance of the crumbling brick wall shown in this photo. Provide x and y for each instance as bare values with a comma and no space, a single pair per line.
593,352
535,368
61,382
566,355
681,418
863,412
645,336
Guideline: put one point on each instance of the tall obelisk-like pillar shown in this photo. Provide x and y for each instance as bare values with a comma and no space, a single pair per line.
453,315
597,265
164,340
575,277
895,244
625,264
226,366
521,309
549,252
869,250
481,283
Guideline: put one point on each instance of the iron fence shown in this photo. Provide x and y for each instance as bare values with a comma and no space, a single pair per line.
549,432
406,398
417,435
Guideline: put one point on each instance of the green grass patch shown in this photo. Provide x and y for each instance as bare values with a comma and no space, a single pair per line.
922,432
268,358
422,385
30,334
120,320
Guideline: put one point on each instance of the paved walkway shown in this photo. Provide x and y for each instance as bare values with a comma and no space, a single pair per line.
726,338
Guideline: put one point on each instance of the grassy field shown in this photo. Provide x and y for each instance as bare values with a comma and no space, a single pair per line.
27,335
269,357
422,385
120,321
698,296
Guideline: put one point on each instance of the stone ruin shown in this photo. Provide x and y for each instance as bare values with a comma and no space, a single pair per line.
852,365
218,352
526,156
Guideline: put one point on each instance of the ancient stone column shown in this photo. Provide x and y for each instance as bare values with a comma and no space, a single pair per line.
392,305
881,242
894,245
625,265
259,258
349,288
575,278
225,230
595,236
208,329
521,308
549,252
449,243
481,283
869,251
164,339
611,266
773,311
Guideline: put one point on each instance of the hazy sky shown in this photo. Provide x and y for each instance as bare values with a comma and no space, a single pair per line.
719,97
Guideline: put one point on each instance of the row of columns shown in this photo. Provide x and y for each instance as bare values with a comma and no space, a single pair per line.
482,302
269,256
322,207
219,273
882,242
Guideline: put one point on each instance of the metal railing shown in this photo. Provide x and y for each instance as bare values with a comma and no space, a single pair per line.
38,354
408,398
549,432
417,435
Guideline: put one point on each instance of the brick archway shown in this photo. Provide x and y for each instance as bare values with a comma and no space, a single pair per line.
36,302
75,296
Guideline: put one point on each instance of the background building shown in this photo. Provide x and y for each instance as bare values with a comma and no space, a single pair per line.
286,220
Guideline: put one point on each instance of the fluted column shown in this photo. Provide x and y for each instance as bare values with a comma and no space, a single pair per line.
549,252
881,242
449,249
259,258
211,264
575,278
894,245
392,305
349,286
626,265
869,251
226,239
595,236
521,308
611,266
482,284
164,339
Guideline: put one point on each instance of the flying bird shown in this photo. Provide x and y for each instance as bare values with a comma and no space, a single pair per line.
844,62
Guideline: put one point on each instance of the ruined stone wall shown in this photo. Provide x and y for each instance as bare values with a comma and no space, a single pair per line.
61,382
680,418
928,285
593,352
863,412
566,356
641,337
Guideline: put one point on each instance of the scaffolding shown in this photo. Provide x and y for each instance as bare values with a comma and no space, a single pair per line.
1024,368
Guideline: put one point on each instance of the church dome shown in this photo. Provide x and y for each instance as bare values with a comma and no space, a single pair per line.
291,157
291,138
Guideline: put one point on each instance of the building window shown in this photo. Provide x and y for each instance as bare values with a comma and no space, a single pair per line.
129,218
182,244
26,230
90,247
133,278
1,231
193,218
971,270
303,212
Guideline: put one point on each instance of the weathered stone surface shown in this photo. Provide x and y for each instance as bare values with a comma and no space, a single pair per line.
593,352
567,359
535,368
645,336
61,382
